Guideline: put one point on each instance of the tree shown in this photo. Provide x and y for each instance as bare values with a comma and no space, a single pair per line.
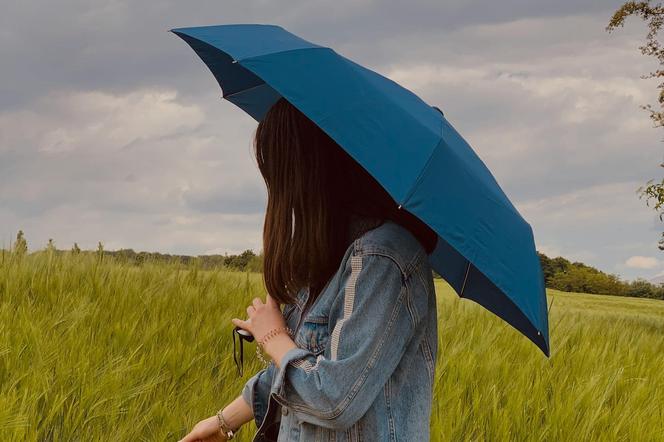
586,279
50,247
100,251
640,288
21,245
76,249
653,15
240,261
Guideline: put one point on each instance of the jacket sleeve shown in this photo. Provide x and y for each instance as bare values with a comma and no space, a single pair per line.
256,392
366,343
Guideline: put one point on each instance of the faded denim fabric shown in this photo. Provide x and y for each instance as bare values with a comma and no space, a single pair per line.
365,362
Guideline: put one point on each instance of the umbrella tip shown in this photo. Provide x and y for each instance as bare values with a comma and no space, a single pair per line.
438,109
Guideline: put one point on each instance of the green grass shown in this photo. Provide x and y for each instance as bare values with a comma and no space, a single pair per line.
108,351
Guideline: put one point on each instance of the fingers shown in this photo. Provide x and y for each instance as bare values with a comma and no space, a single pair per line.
191,437
252,309
245,325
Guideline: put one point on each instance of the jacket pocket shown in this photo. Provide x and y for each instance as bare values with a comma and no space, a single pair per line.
313,334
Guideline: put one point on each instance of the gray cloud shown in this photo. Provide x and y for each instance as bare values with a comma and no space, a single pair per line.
112,129
120,45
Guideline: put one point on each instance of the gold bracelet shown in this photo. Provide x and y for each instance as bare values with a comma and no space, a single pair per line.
272,333
223,426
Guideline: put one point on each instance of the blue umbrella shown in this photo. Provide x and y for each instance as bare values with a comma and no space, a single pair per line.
485,249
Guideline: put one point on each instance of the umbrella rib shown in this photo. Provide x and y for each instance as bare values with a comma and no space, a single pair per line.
421,174
359,68
241,60
245,90
463,287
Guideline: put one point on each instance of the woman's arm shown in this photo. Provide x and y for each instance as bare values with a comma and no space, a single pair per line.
366,344
278,346
252,402
236,414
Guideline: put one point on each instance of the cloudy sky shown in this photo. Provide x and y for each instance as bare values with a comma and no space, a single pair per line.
112,130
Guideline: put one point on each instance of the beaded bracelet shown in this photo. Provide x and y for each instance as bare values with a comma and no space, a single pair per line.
269,335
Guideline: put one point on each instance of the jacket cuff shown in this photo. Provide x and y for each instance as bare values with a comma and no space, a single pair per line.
250,395
248,390
278,386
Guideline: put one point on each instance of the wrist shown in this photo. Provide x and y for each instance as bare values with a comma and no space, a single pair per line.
274,335
278,347
279,341
225,430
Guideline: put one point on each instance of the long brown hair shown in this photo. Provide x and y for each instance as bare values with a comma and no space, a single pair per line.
314,188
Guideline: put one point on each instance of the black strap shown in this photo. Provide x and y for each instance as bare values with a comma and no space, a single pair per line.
240,364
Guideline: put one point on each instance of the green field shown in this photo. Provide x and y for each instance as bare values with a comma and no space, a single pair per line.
108,351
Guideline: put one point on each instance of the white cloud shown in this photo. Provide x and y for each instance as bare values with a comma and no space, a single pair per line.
552,251
642,262
599,204
144,170
95,121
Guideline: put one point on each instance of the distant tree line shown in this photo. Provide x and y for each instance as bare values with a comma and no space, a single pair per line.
559,273
245,261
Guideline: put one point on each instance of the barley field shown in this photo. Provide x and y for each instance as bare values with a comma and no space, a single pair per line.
95,349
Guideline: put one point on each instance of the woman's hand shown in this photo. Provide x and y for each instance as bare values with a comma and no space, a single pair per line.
206,430
262,318
236,414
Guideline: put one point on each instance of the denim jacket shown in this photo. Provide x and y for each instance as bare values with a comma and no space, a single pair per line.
364,366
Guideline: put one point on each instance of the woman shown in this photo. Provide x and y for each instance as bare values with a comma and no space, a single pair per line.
352,354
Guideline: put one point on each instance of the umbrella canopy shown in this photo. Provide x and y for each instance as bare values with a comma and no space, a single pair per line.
485,249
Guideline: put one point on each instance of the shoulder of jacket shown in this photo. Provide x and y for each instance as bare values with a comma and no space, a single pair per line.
394,241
